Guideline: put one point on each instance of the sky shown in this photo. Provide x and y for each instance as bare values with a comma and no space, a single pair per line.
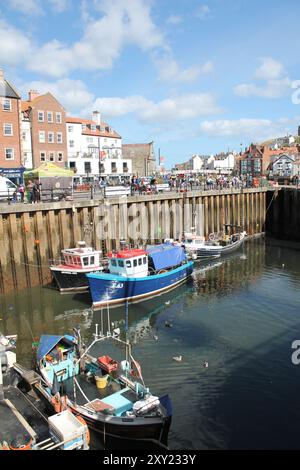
193,77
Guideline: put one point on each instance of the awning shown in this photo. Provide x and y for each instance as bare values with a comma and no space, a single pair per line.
48,342
166,255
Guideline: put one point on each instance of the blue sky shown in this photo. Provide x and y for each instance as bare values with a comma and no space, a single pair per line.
193,76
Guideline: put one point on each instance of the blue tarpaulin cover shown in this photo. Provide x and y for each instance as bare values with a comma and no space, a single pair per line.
166,255
48,342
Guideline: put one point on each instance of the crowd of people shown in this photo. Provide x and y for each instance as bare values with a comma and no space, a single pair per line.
30,193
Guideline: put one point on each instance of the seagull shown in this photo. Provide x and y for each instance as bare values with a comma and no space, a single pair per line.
155,337
177,358
168,302
168,324
205,364
283,265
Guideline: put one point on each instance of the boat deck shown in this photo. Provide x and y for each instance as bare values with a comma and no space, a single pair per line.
19,417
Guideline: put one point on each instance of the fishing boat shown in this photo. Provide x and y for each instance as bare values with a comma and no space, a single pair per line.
135,274
70,272
23,425
109,395
218,243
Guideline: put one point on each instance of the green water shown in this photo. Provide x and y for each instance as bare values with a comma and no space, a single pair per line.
240,314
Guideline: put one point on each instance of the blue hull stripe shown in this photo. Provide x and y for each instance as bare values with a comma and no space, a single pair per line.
110,289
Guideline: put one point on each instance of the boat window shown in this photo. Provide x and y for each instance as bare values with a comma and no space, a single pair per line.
113,262
140,261
85,261
144,260
135,263
92,260
128,264
121,263
77,260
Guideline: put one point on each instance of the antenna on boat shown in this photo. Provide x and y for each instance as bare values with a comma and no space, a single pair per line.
108,318
126,332
101,324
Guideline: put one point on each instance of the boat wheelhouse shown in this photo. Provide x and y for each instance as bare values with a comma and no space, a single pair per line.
134,274
70,273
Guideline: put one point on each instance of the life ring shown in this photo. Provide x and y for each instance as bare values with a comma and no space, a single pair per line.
88,436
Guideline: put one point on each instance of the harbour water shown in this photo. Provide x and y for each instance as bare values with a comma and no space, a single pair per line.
239,313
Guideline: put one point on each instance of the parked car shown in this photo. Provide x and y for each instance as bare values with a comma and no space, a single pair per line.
7,188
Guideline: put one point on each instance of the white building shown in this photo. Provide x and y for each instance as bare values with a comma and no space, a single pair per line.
94,148
224,163
25,136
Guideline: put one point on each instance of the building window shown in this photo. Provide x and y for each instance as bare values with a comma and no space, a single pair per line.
70,128
41,116
43,156
116,141
6,104
58,118
24,135
87,167
72,165
83,126
113,167
105,140
93,127
125,168
59,137
49,116
51,157
42,137
60,156
89,139
9,154
51,137
7,129
71,143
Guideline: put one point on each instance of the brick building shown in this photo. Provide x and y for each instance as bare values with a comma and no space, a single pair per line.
10,149
48,129
142,156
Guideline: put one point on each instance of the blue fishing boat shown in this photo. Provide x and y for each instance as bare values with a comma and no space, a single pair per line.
134,274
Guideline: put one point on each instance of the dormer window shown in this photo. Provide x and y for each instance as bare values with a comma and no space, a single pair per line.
83,126
93,127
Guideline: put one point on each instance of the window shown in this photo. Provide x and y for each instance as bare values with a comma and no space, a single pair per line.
51,137
71,143
58,118
140,261
135,263
83,126
113,262
87,167
116,141
89,139
6,104
145,260
93,127
49,116
85,261
59,137
72,165
43,156
70,128
113,167
121,263
7,129
41,116
60,156
9,154
128,264
92,259
51,157
24,135
105,140
125,168
42,137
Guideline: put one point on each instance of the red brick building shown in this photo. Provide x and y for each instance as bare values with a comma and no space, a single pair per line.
48,129
10,149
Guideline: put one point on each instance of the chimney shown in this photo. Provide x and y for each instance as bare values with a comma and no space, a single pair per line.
32,94
1,74
96,117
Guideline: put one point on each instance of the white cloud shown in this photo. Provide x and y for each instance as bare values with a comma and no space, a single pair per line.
256,129
72,94
174,19
277,83
27,7
269,69
173,109
14,45
124,22
202,12
169,69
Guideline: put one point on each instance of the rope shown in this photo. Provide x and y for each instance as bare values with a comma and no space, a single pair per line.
275,192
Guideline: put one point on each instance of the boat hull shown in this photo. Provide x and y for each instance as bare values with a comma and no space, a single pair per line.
115,290
67,280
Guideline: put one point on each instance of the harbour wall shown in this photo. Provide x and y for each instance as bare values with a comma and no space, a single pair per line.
283,214
32,236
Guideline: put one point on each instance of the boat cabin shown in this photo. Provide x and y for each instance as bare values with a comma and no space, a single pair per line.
128,263
81,257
